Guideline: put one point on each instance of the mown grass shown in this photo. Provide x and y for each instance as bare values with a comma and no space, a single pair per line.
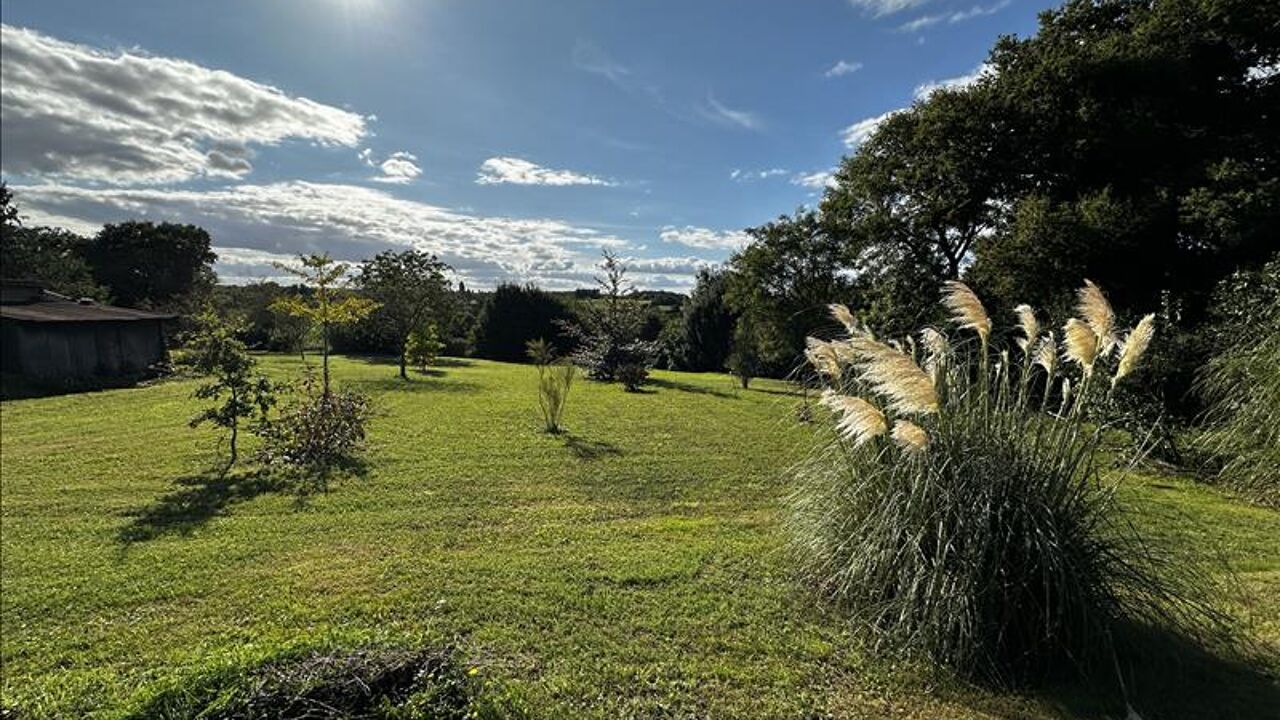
635,566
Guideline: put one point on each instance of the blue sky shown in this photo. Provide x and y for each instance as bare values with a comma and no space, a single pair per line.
515,139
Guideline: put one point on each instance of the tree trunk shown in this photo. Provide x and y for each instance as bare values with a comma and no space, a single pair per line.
403,376
325,359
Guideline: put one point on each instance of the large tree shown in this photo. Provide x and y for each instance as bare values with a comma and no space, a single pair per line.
783,281
413,290
53,256
513,316
912,203
145,264
706,324
1139,148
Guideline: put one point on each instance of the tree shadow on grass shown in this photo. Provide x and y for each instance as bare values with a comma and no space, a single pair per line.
586,450
691,388
198,499
418,382
1168,675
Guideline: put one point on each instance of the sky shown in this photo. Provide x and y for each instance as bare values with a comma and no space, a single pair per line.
516,140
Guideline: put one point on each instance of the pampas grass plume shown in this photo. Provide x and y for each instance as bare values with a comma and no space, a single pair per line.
910,436
860,421
1134,346
966,309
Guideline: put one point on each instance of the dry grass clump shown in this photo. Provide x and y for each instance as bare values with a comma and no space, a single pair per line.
953,518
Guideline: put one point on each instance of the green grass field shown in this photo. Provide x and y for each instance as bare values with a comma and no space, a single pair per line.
634,567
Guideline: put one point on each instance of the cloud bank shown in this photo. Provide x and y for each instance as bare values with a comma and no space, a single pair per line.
71,111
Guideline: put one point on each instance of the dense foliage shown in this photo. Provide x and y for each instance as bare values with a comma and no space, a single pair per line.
411,289
1242,384
319,431
781,282
706,325
513,316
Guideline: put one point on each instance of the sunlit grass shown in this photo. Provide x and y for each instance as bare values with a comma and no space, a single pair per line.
633,566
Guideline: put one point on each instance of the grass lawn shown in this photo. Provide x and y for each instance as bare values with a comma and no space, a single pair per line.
633,567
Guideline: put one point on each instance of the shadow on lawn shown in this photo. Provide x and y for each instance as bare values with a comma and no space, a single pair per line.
585,449
418,382
198,499
1172,676
691,388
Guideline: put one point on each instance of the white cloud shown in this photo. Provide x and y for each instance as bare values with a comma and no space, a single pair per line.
719,113
749,175
924,90
517,171
879,8
951,18
857,133
399,168
74,111
705,238
815,180
351,222
843,67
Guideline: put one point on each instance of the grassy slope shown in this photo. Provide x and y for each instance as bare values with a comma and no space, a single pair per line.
635,566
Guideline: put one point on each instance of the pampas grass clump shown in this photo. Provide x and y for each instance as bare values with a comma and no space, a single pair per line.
1242,387
953,518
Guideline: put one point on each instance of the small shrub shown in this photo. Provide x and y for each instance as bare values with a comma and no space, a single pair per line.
954,519
555,377
423,347
318,431
632,376
214,350
608,331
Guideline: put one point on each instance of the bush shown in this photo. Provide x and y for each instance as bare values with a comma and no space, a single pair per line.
632,376
953,519
318,432
1242,386
555,377
423,347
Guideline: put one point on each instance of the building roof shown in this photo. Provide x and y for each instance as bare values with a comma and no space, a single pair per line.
52,307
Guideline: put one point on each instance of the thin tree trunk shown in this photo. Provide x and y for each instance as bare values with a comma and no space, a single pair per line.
325,349
403,376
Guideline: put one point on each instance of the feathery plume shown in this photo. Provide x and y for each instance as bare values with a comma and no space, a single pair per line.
1081,343
910,436
1134,346
823,357
936,348
896,376
844,316
935,343
1096,311
1047,353
966,309
860,421
1030,327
